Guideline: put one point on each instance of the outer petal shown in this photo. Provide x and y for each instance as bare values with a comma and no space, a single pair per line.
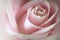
11,10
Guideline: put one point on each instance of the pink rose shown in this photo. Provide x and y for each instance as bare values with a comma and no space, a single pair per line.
31,17
37,16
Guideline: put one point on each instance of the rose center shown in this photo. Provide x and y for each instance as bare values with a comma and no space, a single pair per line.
39,11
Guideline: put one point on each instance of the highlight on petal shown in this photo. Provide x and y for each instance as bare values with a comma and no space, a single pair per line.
9,25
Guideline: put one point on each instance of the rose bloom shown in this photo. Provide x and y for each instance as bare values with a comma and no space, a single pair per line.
32,19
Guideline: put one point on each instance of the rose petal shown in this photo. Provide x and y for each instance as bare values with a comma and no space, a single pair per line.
16,4
9,26
11,12
53,13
